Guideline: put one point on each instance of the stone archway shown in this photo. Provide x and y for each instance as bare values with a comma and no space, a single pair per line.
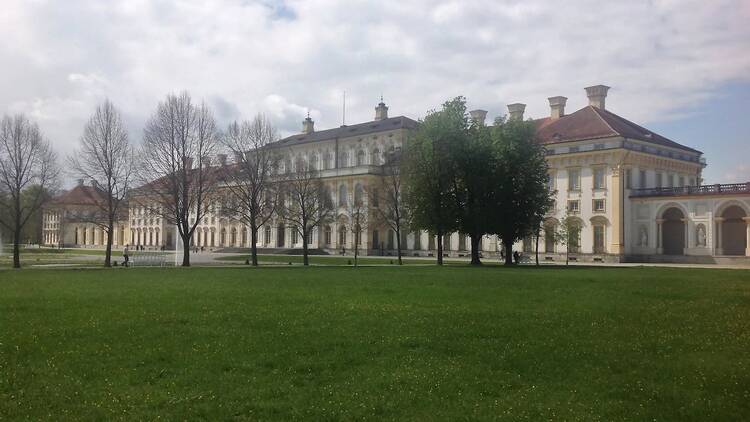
673,232
733,231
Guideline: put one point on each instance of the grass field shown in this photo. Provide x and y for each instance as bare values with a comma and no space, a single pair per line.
419,343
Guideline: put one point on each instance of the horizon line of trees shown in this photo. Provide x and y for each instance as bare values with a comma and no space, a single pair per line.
453,174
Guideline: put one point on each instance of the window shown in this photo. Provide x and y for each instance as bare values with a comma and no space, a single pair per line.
267,235
310,237
342,236
599,178
360,158
598,146
659,180
682,181
599,239
670,180
628,178
376,157
551,181
692,181
574,206
343,159
328,161
314,162
359,193
375,197
573,149
642,179
342,196
574,179
327,235
295,236
599,205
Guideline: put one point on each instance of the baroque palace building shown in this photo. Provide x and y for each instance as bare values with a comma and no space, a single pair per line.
637,195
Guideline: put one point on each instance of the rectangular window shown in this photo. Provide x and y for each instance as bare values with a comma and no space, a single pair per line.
659,181
642,179
573,149
551,181
574,207
670,181
599,178
682,181
267,235
628,178
574,179
598,146
599,239
599,205
692,181
295,236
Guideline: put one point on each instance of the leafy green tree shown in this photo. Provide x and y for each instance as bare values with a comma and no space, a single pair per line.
521,196
431,172
476,167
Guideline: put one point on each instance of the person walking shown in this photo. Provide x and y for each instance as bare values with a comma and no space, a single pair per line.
126,255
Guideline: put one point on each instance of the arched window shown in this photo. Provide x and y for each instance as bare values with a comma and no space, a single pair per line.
342,236
342,196
359,194
360,158
375,157
288,166
343,159
327,237
328,161
314,162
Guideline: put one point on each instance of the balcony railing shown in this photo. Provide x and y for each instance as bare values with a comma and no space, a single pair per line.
717,189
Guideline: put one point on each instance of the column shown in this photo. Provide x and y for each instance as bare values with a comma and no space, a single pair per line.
718,237
618,213
747,235
659,248
685,223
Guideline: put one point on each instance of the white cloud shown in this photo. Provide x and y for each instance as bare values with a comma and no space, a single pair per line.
282,58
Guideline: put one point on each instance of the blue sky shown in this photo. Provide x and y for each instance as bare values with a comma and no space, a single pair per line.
720,127
679,67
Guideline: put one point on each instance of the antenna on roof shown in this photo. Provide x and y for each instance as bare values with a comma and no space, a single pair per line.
343,114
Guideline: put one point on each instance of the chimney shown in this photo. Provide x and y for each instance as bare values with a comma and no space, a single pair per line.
557,106
222,159
188,162
381,111
597,94
80,182
515,111
478,116
308,126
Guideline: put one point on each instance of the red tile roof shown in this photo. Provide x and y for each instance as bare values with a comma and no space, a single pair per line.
592,123
80,195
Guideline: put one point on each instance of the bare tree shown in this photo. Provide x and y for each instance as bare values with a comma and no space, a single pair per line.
305,204
106,157
249,180
178,181
28,169
387,199
356,211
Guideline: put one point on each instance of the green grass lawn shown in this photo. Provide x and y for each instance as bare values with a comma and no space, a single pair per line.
419,343
331,259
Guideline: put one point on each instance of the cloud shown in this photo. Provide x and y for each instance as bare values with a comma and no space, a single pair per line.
662,58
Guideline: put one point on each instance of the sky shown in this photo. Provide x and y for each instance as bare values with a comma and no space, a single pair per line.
679,67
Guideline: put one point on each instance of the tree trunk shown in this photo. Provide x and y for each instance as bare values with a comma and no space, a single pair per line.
537,249
108,252
475,241
398,245
439,248
16,245
305,260
253,245
185,251
356,247
508,252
